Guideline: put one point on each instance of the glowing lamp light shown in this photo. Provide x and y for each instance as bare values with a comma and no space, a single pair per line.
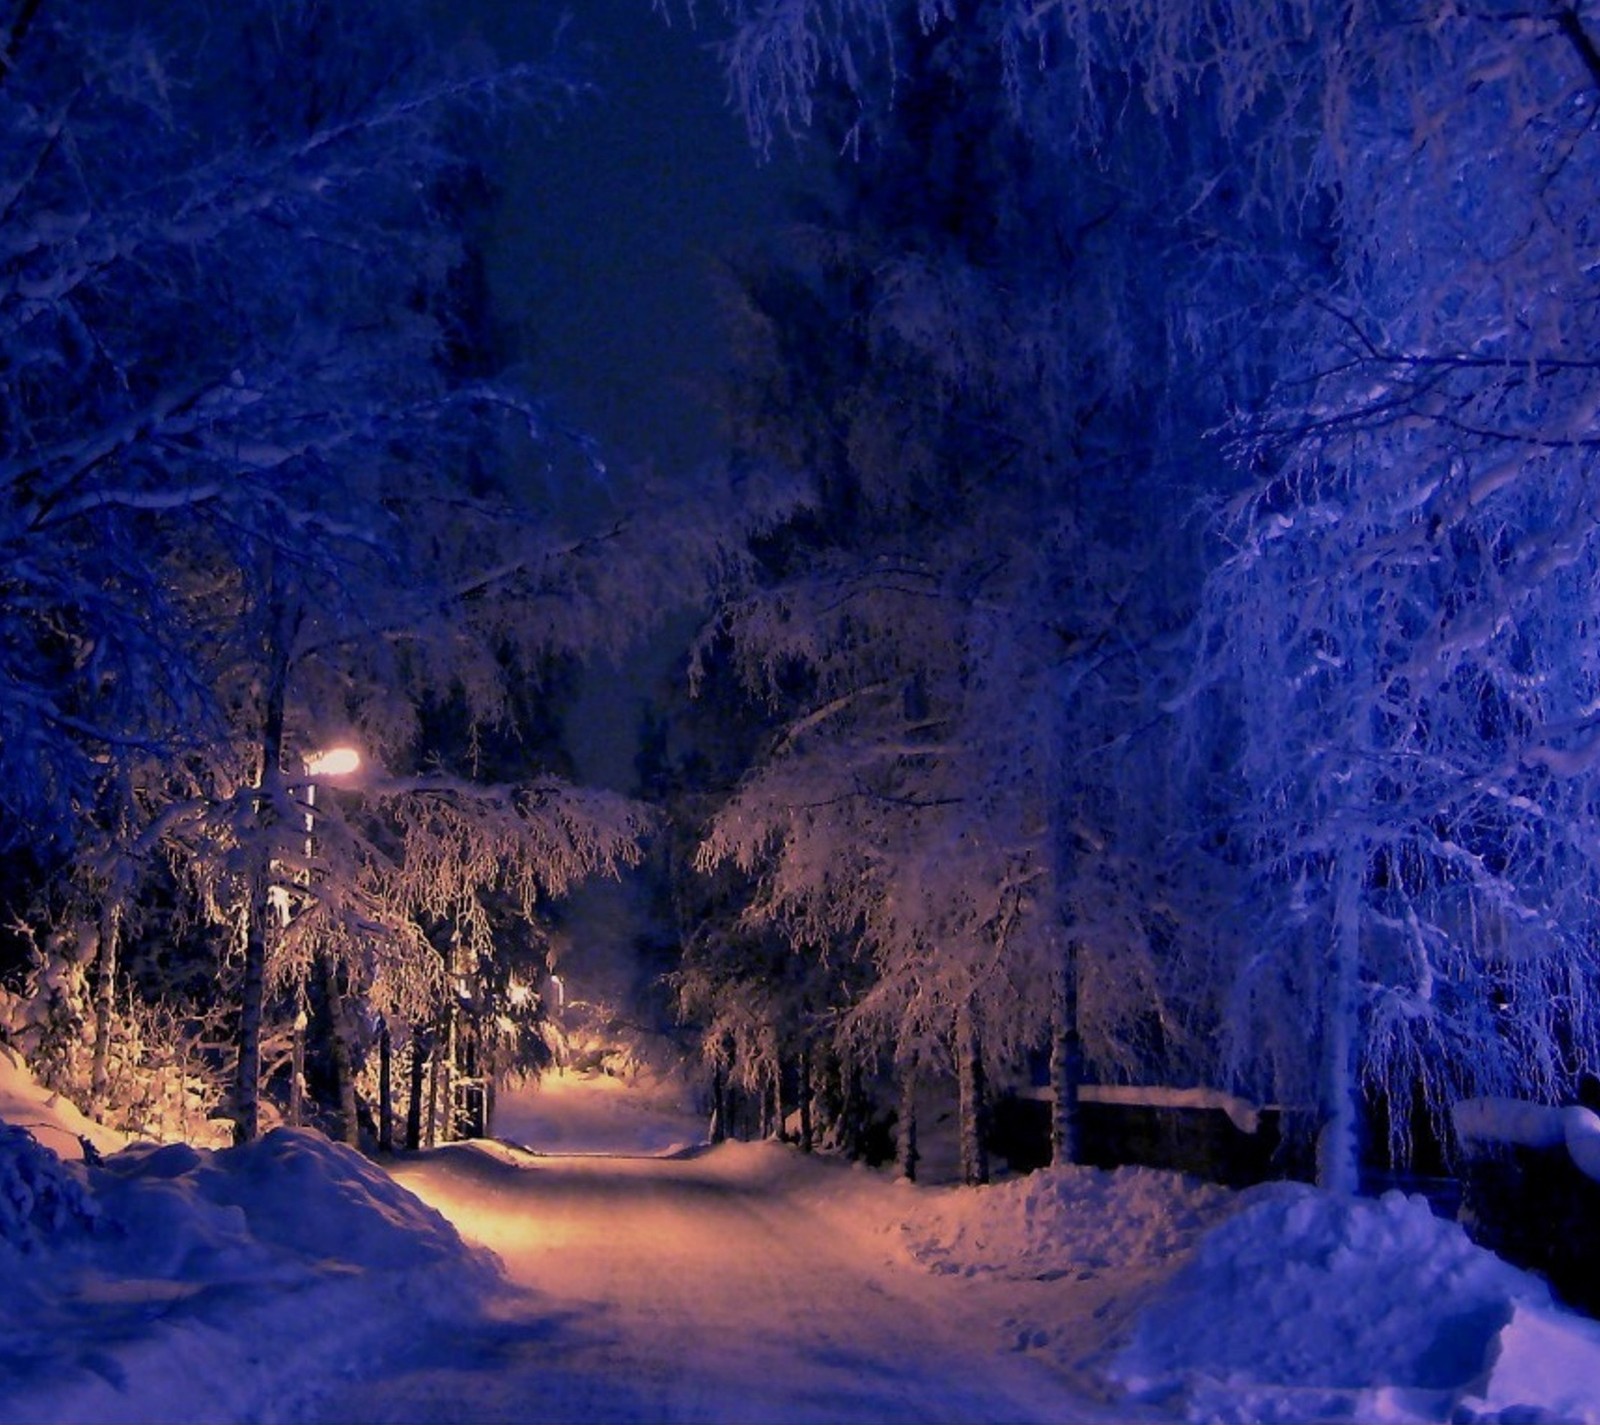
335,762
331,762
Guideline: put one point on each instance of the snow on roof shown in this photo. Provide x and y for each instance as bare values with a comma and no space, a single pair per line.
1246,1116
1532,1125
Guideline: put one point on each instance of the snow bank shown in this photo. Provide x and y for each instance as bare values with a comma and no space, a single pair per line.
286,1278
1066,1221
1279,1303
57,1124
1545,1366
291,1201
1307,1305
173,1283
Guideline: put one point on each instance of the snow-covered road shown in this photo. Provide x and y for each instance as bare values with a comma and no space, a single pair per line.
729,1286
292,1280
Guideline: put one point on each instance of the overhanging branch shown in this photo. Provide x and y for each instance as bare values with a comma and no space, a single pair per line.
25,16
1572,28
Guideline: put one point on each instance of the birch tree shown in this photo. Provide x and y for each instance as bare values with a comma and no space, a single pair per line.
1428,537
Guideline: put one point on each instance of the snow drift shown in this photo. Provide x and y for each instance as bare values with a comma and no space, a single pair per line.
167,1282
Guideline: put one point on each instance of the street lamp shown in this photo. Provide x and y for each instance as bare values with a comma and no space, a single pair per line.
334,762
331,762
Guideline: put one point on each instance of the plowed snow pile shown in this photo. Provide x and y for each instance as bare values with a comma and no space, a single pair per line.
1308,1306
1062,1222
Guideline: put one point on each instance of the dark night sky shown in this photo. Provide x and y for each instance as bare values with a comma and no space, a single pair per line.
603,253
612,222
613,218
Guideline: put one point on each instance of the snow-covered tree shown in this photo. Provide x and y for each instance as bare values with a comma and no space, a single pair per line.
953,650
878,826
975,359
1411,587
255,502
204,302
1375,223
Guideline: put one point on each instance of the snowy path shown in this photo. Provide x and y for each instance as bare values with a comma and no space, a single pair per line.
710,1288
292,1280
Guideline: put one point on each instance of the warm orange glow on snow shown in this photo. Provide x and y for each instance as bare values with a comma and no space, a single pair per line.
474,1185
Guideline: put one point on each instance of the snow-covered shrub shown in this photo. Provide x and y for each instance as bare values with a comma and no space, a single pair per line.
40,1198
597,1037
159,1083
49,1019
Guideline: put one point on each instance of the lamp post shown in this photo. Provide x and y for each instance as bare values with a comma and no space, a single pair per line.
332,762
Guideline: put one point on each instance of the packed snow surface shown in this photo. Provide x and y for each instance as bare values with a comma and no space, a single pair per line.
637,1275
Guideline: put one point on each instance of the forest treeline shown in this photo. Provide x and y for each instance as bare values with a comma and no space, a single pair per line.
1146,603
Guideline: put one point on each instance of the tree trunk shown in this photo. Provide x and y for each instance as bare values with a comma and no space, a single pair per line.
258,906
431,1135
778,1126
1339,1144
247,1076
718,1132
766,1113
449,1075
419,1073
441,1069
1066,1058
344,1075
909,1154
972,1100
105,1002
385,1089
854,1110
805,1099
297,1061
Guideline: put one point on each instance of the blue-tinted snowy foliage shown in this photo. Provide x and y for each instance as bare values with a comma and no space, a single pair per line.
256,494
1335,264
